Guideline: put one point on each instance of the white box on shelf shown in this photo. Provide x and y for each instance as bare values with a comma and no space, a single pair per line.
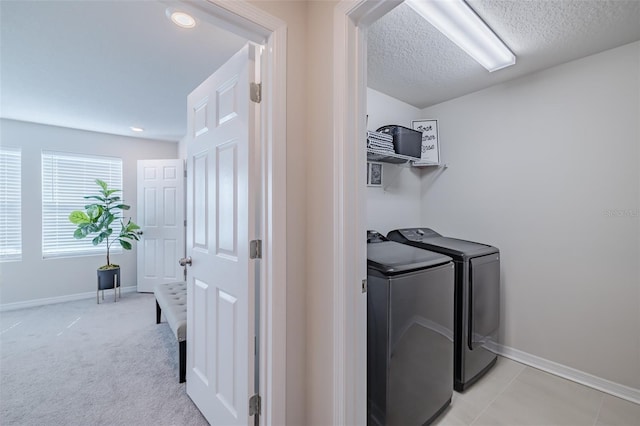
430,152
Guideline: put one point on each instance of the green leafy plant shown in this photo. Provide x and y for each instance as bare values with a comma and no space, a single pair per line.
98,218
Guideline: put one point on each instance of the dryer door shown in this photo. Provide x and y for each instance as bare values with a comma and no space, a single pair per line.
484,302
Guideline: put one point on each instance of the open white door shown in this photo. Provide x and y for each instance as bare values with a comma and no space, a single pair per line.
161,219
221,221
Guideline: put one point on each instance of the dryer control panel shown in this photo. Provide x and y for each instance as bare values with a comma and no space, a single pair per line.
416,234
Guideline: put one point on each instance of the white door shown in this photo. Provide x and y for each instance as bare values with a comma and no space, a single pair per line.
221,217
161,218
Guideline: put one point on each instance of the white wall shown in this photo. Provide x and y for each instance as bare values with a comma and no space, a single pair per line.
318,167
295,14
34,277
547,168
397,203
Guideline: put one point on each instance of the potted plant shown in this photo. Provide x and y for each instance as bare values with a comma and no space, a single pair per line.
98,218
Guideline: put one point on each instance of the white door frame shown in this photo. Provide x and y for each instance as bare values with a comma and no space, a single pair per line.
351,20
258,26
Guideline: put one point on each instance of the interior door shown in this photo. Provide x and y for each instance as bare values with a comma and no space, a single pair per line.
161,204
221,219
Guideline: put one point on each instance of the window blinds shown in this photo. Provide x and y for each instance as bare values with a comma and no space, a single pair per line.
66,179
10,204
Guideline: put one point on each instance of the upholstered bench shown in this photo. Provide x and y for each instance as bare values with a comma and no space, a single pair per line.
171,299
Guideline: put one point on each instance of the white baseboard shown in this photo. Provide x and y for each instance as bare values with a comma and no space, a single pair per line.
604,385
57,299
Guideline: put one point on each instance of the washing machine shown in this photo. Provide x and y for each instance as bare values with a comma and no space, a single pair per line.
409,333
477,299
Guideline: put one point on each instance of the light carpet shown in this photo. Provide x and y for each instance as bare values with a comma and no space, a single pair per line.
79,363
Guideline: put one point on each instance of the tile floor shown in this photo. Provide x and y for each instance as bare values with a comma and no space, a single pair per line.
515,394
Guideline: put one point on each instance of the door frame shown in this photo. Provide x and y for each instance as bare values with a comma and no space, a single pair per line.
258,26
350,23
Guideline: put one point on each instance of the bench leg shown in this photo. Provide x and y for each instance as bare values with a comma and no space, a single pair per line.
158,312
183,361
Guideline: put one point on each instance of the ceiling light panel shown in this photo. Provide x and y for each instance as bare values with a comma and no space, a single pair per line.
460,24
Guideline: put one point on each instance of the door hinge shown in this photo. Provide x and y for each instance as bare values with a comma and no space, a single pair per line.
255,405
364,285
255,249
185,172
256,92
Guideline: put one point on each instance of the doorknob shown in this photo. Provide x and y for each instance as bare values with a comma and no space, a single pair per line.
185,261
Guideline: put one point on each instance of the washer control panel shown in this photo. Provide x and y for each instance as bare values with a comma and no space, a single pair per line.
417,234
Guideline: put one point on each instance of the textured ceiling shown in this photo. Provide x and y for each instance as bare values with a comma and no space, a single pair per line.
411,61
104,65
108,65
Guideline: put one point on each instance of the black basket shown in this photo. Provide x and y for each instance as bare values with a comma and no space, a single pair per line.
406,141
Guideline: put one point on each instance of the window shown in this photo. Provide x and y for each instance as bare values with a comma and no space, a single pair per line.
10,204
66,179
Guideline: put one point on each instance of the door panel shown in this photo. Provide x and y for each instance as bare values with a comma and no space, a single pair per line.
171,252
220,223
161,204
227,323
170,207
227,178
200,364
200,196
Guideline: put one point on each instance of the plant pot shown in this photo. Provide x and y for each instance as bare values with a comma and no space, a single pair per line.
108,279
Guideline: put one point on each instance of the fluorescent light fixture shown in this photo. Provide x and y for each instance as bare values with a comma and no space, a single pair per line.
136,129
458,22
181,19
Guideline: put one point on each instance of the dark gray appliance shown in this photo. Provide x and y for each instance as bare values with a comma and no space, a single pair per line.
409,333
477,299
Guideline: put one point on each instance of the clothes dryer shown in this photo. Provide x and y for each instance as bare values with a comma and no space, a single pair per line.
477,299
409,333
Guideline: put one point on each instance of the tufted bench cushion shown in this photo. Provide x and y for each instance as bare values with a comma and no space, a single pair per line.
171,299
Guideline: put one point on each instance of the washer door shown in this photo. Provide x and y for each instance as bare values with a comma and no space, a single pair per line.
484,294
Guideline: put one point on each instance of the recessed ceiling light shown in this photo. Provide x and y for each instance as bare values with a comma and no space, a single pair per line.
181,19
136,129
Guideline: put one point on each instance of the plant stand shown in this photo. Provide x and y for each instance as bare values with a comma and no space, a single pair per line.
108,279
